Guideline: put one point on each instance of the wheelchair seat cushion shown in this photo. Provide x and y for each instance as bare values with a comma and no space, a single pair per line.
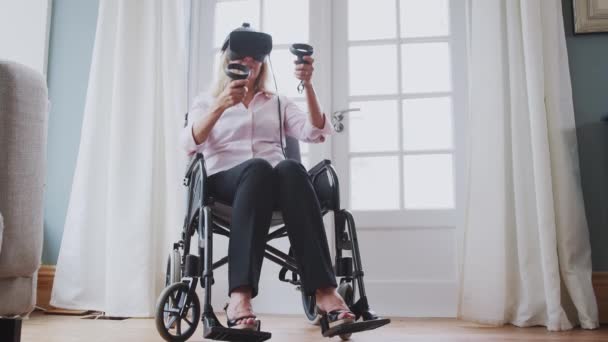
223,212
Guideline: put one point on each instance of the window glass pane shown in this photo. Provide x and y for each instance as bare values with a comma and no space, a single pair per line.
310,161
371,19
306,162
426,67
374,183
286,20
424,18
374,128
373,70
216,65
232,14
304,147
284,69
427,124
428,181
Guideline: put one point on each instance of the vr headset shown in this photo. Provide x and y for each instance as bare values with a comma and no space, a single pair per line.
246,42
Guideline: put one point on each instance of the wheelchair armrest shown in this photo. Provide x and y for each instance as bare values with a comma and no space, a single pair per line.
320,167
327,188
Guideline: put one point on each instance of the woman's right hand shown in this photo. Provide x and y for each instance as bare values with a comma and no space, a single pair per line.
233,94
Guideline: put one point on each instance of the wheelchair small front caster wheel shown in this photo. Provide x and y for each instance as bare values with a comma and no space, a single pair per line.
176,321
347,293
173,273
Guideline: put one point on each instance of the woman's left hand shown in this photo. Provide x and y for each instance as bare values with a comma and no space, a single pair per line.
304,71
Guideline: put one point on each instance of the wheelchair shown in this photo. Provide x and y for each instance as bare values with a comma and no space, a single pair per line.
178,308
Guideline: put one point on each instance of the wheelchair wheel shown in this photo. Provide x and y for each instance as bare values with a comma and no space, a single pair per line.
169,322
348,294
173,273
310,309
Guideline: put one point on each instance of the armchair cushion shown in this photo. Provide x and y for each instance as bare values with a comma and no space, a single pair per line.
18,296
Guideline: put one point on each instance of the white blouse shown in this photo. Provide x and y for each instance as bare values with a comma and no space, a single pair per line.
242,133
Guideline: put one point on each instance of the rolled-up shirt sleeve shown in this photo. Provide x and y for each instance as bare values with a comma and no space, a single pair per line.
198,109
298,125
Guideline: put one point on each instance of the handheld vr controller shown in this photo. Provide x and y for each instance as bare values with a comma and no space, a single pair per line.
237,71
301,50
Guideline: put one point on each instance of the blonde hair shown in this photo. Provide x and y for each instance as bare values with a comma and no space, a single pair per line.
222,80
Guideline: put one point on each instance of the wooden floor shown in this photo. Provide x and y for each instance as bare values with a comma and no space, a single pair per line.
51,328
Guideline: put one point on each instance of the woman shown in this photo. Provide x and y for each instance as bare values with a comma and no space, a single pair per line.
236,127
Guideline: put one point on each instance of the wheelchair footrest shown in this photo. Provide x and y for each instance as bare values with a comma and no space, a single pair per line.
356,327
227,334
214,330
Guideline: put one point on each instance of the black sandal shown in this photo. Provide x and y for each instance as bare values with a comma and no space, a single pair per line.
232,323
332,317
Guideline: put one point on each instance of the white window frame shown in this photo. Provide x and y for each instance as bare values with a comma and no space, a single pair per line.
403,218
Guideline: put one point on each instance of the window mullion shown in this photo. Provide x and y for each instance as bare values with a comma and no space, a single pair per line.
261,15
400,108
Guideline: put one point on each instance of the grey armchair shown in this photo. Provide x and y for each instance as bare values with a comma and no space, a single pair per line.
23,129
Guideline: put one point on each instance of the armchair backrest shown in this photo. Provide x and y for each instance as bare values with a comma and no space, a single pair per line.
23,134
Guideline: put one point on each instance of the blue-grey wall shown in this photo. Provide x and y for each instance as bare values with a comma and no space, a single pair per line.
70,49
588,58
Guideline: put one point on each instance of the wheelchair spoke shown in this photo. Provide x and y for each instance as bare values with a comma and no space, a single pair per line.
172,299
182,299
178,304
170,322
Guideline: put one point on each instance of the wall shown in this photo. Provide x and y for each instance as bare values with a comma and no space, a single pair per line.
70,49
588,58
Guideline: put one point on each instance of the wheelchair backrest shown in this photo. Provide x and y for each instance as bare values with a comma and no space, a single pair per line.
292,149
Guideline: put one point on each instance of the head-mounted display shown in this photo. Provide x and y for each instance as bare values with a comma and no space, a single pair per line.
246,42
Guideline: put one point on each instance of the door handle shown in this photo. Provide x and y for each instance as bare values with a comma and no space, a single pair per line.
338,116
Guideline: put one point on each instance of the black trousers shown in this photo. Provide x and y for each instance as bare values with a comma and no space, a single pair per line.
254,189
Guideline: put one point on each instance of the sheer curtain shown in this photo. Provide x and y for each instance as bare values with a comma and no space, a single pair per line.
126,203
526,255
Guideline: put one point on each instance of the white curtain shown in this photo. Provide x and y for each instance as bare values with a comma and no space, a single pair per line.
526,255
126,204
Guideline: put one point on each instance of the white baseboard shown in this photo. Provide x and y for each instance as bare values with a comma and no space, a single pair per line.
387,298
